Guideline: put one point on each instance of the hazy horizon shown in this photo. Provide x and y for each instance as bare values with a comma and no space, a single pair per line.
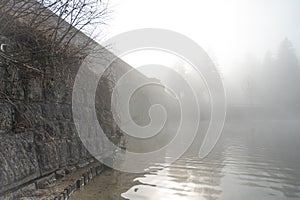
228,31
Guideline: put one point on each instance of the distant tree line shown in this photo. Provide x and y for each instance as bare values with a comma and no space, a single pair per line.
274,82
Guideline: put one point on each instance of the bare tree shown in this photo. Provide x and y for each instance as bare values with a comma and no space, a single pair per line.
53,26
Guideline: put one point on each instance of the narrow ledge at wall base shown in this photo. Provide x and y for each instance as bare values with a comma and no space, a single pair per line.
59,185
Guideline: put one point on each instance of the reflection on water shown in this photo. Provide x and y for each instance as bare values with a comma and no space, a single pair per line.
250,162
259,160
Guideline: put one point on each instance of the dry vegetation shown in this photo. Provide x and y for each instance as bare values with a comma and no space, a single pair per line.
46,27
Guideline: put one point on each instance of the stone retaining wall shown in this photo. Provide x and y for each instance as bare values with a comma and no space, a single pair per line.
37,133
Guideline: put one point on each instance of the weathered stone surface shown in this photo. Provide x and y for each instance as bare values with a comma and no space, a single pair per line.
48,156
49,90
27,190
35,89
74,150
63,152
60,173
5,89
9,72
5,118
18,90
46,181
37,134
18,160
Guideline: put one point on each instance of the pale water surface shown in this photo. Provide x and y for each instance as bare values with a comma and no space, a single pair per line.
254,160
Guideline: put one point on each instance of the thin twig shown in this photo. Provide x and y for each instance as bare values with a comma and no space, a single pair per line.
19,63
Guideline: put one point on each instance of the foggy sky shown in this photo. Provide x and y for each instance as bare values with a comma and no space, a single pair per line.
227,30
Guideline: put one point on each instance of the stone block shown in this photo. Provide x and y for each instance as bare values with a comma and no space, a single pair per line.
19,162
18,90
46,181
74,151
48,156
49,111
60,173
67,130
35,89
70,169
66,111
27,116
2,71
9,72
49,89
5,118
64,153
99,169
86,178
5,89
23,193
52,128
93,172
78,184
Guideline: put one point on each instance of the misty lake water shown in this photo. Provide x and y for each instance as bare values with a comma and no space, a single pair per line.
254,160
